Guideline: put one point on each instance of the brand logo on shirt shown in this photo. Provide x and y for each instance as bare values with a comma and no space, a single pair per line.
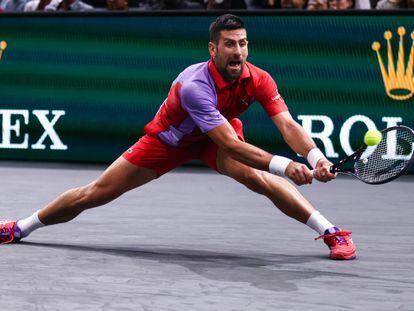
399,79
274,98
243,102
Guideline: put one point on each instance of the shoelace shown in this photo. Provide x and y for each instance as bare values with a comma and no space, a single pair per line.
337,235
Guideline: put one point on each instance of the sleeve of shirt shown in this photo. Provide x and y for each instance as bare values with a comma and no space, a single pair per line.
200,102
269,96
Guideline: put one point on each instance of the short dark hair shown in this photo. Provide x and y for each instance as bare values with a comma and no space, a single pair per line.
224,22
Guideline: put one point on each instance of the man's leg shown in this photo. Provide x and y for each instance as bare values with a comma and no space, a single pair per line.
282,193
147,159
290,201
117,179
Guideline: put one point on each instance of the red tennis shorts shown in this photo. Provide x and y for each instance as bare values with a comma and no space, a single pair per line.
151,152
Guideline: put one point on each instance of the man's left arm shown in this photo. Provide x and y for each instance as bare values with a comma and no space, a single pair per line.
300,142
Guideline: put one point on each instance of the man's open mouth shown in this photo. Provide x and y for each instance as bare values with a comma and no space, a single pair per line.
235,64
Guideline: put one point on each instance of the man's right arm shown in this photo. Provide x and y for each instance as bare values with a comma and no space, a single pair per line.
200,103
226,139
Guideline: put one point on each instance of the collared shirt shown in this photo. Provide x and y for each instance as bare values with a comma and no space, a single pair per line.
200,99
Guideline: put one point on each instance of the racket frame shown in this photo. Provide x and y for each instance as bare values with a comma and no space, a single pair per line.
338,167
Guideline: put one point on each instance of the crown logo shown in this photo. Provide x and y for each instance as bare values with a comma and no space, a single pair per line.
3,46
398,80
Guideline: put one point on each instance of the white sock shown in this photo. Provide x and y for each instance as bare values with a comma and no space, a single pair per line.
319,223
29,224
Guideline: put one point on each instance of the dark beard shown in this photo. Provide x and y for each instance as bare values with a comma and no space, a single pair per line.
230,77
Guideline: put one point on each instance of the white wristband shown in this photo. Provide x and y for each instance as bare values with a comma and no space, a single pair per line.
278,165
314,156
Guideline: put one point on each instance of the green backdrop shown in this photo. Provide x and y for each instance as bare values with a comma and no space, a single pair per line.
94,81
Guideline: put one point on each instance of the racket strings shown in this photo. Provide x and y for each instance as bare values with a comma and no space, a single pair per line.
387,159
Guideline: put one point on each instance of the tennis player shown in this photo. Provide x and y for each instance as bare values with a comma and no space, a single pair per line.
198,120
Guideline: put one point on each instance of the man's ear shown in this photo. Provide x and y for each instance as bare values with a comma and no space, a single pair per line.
212,49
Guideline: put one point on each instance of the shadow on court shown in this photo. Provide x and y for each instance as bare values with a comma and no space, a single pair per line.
264,271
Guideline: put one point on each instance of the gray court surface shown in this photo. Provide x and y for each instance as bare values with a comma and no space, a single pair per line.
195,240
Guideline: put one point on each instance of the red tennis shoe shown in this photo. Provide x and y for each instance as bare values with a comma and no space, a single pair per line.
340,243
8,228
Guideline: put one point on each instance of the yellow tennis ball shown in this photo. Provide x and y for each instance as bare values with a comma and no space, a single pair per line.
372,137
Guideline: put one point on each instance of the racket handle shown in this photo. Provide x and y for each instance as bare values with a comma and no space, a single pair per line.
332,170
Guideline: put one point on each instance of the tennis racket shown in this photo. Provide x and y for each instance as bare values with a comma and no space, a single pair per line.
381,163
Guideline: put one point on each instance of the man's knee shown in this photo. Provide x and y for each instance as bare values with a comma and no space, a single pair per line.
255,180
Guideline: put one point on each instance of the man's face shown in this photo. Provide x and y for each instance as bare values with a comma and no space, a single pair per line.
230,53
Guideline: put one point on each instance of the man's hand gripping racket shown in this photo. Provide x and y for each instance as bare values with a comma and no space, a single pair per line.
381,163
